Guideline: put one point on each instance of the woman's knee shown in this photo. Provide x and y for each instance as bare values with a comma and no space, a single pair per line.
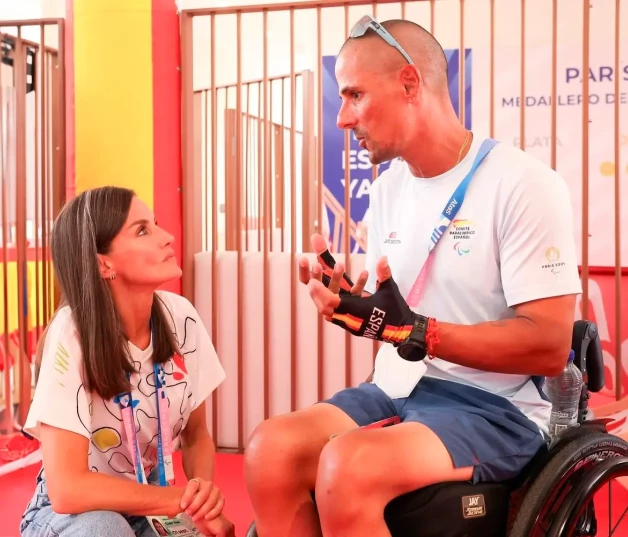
104,523
89,524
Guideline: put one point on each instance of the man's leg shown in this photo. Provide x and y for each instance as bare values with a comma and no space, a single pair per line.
281,461
450,432
281,458
361,471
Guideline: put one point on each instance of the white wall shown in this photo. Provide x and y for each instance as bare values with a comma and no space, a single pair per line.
33,9
20,9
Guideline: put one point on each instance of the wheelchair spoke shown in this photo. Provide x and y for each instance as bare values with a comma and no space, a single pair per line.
619,500
619,522
612,531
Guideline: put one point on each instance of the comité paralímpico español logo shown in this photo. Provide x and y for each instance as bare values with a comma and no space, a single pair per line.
462,231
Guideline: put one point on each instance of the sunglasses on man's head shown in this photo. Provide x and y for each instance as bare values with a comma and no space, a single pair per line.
367,22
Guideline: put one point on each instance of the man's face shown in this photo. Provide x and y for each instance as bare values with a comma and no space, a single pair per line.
373,103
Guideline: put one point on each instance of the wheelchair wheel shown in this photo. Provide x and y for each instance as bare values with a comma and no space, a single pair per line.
572,517
546,494
251,532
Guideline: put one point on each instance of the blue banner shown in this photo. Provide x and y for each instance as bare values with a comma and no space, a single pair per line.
361,171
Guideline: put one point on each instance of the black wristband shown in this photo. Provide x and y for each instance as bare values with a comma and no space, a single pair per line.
414,348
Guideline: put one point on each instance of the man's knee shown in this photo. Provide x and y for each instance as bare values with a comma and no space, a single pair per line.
274,449
284,451
345,468
345,473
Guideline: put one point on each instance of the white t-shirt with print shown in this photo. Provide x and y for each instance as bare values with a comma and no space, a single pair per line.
512,241
61,400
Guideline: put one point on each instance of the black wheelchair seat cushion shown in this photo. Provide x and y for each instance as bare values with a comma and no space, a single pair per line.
455,509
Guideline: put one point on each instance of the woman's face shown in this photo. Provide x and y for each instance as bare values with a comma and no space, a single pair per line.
159,528
141,255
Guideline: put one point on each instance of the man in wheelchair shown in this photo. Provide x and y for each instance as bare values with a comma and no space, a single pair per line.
471,284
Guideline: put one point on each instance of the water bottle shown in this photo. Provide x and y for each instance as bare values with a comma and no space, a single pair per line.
564,393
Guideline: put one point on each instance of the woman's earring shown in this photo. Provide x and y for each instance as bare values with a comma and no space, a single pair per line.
112,277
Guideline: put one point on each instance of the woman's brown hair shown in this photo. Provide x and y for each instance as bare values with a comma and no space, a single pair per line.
84,228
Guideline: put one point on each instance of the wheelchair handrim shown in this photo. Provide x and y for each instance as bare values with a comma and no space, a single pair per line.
554,502
569,479
570,517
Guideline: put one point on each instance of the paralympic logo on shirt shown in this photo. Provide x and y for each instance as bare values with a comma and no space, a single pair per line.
462,231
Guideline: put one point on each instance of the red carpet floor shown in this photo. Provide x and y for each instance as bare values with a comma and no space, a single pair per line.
16,489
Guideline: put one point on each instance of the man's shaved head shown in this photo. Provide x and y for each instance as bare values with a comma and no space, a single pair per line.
424,50
392,105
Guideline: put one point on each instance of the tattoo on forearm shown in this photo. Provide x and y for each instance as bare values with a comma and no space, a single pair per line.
505,322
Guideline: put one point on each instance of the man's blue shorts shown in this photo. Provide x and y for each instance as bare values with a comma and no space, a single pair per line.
478,428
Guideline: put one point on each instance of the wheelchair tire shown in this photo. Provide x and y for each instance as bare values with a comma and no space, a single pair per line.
251,532
543,496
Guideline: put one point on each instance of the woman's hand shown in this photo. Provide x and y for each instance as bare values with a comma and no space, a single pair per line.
202,500
218,527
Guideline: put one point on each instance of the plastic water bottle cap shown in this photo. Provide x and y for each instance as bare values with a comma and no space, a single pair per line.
572,356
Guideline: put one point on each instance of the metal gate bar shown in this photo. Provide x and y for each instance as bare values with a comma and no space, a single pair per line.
32,179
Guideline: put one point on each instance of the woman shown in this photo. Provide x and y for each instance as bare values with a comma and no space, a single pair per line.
114,347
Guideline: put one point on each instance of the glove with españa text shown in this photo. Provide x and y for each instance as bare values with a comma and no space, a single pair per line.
384,316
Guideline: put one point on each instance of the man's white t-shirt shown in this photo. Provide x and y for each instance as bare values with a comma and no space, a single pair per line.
61,400
512,241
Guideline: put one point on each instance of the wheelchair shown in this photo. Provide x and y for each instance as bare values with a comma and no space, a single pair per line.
552,496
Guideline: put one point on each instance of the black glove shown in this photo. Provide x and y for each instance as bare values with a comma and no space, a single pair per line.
384,316
328,263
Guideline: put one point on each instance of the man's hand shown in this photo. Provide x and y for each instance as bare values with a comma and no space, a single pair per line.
202,500
327,300
384,316
218,527
331,274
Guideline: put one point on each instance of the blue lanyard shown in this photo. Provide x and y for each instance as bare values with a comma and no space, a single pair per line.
447,216
127,405
455,201
160,394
